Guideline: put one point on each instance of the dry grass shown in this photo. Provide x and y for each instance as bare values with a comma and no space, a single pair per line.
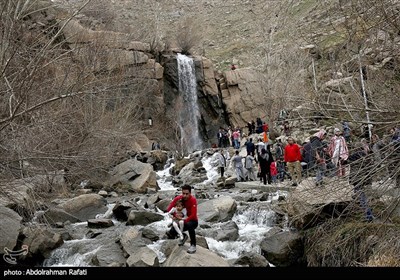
352,243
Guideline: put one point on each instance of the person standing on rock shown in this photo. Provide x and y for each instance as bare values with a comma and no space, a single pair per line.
263,162
292,157
237,163
249,166
318,156
221,162
338,152
191,222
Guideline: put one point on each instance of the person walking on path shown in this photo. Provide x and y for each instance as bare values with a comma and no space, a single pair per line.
221,162
238,165
292,157
249,166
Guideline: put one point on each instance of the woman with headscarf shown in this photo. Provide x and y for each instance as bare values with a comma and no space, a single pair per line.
338,151
263,161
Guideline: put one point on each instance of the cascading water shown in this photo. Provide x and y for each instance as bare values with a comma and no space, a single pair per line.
254,220
189,113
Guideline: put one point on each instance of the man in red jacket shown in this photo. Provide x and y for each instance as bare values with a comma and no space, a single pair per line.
293,158
191,222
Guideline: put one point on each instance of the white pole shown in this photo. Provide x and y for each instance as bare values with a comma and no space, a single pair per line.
314,74
365,98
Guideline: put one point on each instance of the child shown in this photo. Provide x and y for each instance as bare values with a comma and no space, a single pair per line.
178,214
274,171
281,169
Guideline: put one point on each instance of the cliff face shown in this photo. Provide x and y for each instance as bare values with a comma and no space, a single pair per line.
232,97
307,51
231,31
225,98
287,55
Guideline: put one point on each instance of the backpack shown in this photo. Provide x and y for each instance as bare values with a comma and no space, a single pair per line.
279,151
306,152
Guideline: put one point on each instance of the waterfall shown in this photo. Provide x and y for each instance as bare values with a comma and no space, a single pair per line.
188,108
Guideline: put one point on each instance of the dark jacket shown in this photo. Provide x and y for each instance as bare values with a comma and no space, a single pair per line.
311,148
361,165
250,148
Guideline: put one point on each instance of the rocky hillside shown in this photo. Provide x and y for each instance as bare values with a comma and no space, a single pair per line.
308,50
231,31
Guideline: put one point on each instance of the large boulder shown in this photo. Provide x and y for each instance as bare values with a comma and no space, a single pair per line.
308,206
143,218
85,206
56,215
10,228
138,176
40,241
202,258
228,231
143,257
131,240
220,209
284,249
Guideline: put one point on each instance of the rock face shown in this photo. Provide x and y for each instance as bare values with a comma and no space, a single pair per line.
10,227
109,52
243,95
230,98
151,79
202,258
85,206
137,175
210,106
283,249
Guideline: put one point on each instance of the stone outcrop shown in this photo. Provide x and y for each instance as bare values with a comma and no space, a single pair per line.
135,174
85,206
143,257
283,249
202,258
106,53
41,241
10,227
308,206
243,94
220,209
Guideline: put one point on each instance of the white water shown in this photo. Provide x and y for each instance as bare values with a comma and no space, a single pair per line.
74,253
253,221
189,113
164,179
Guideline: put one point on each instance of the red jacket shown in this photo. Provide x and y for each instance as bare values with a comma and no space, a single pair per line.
190,205
273,169
292,153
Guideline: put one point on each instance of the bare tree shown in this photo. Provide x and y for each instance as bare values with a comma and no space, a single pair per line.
336,61
188,35
61,107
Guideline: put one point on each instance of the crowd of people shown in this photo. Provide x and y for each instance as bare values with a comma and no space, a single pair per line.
324,155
